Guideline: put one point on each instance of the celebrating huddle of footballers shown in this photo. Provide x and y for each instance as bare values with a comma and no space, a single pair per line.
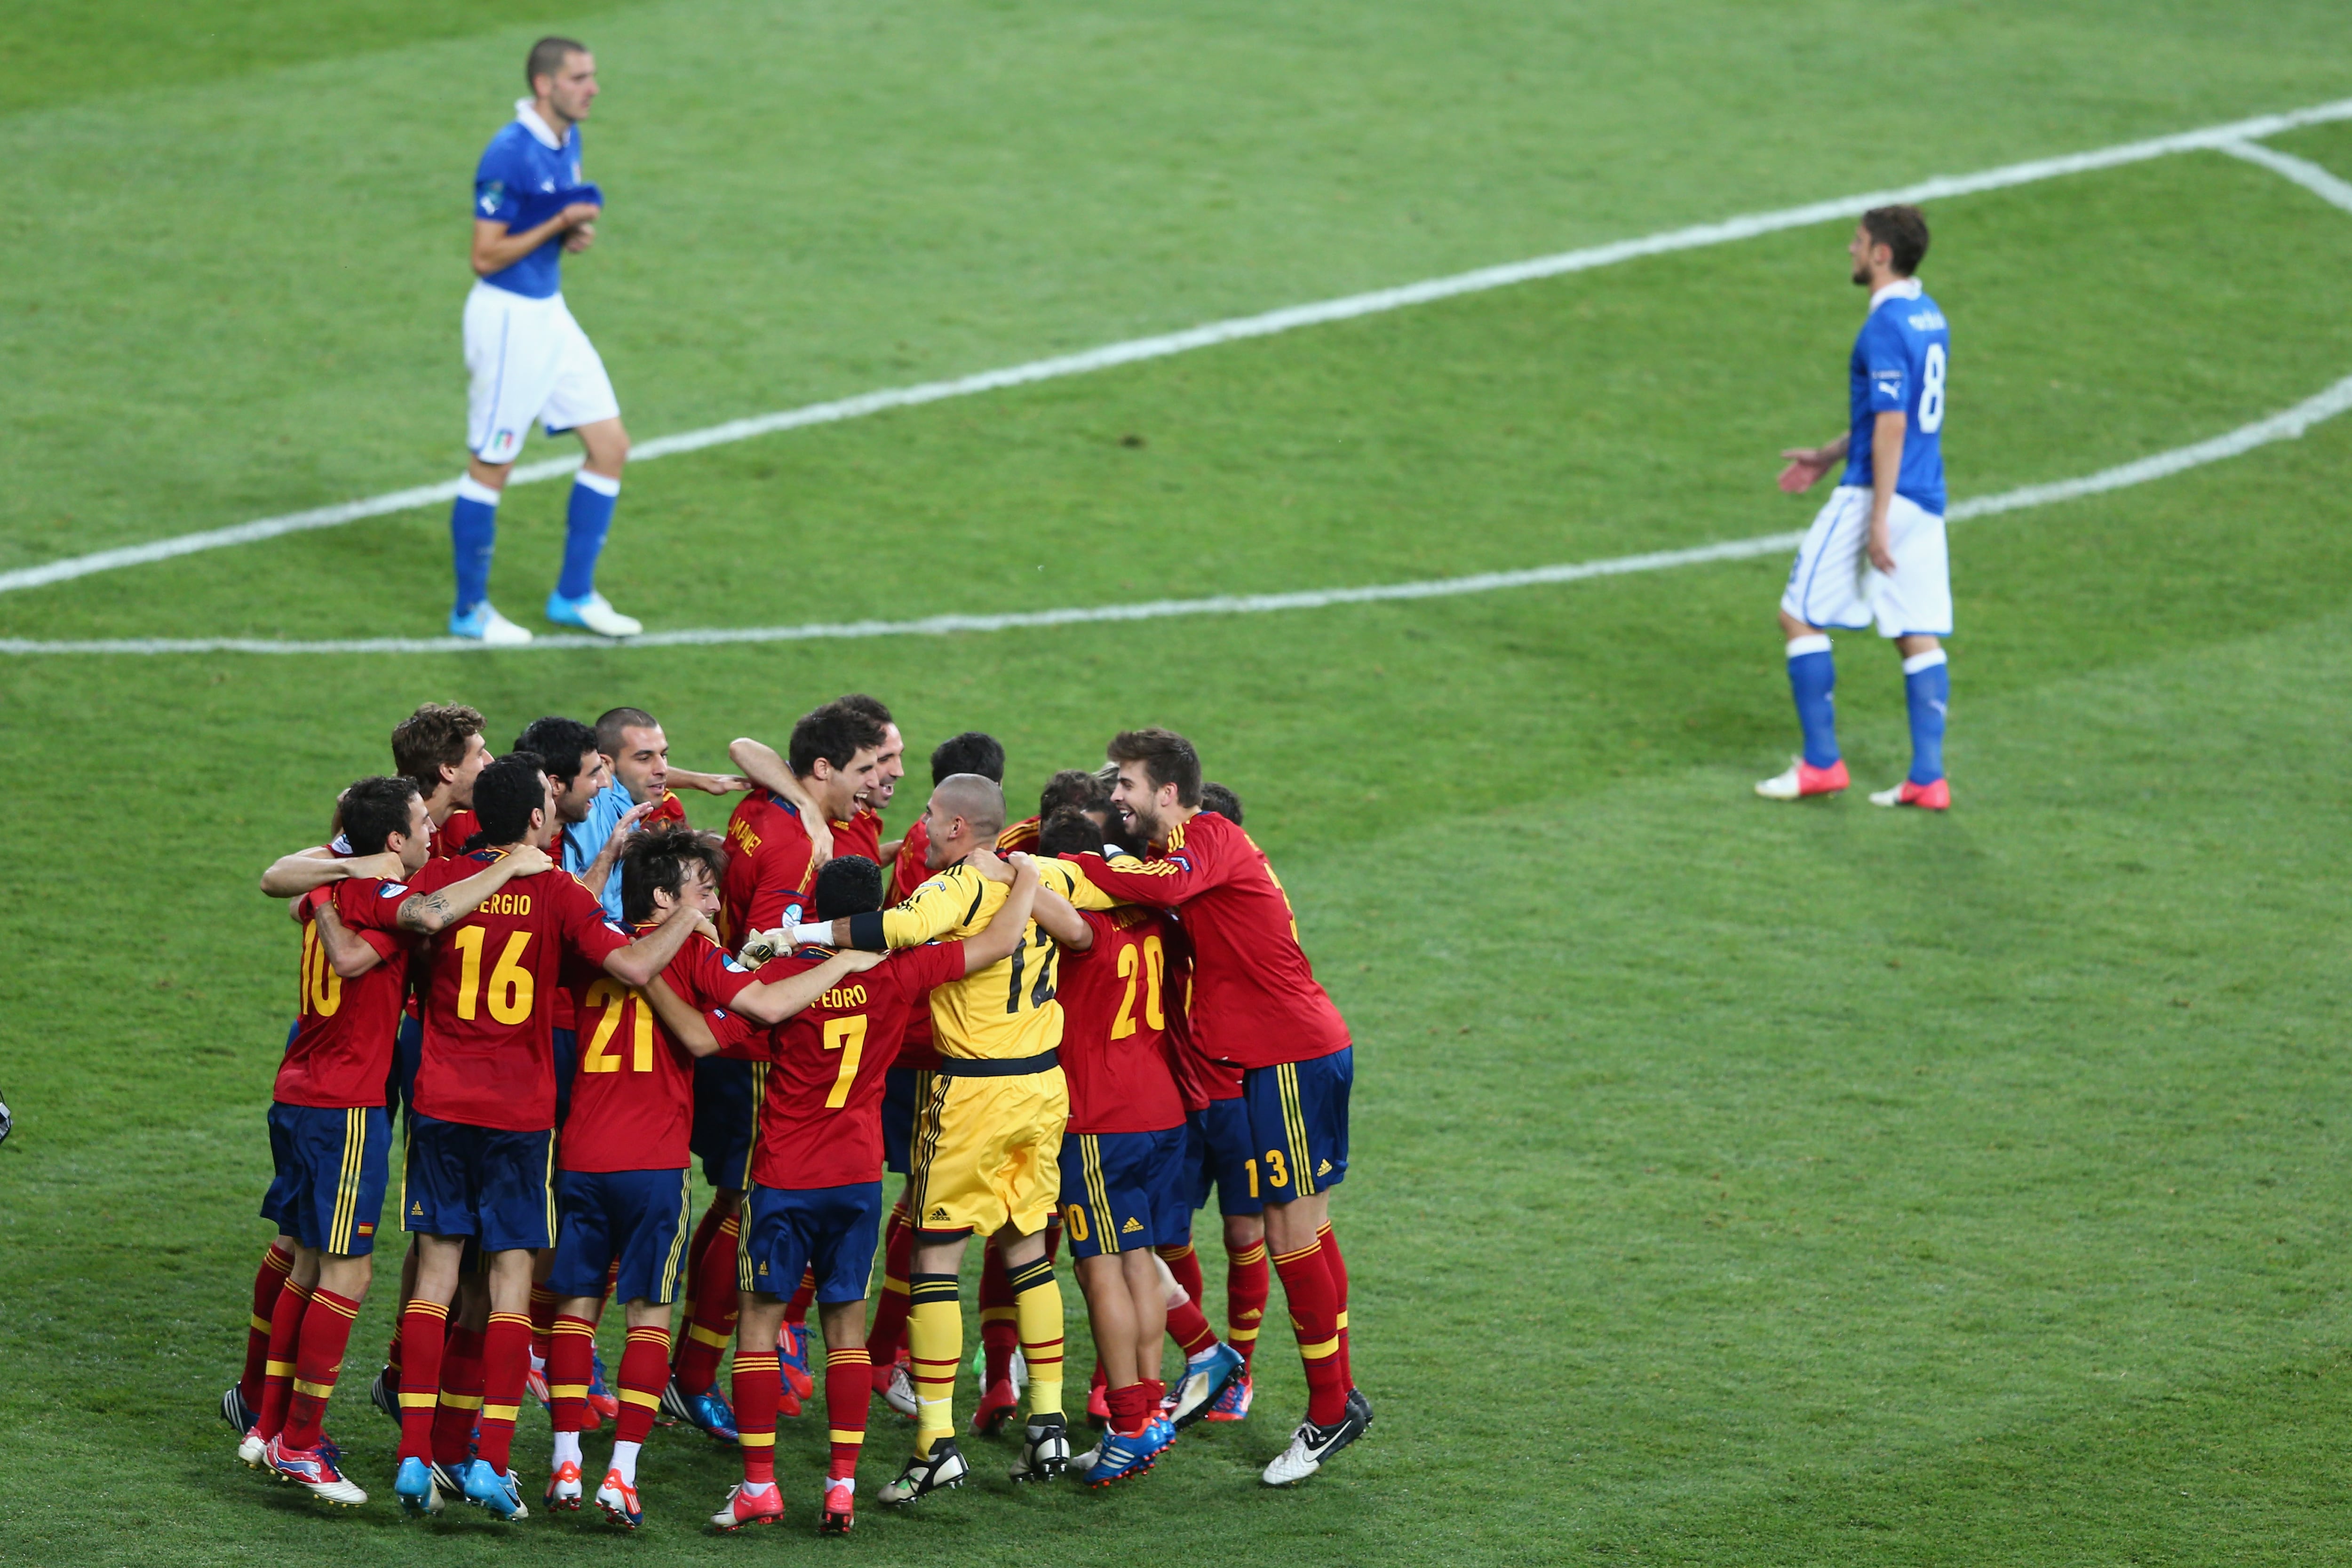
1063,1033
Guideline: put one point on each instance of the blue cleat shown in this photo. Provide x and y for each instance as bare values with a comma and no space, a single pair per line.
495,1493
485,626
590,612
1205,1378
416,1489
707,1410
601,1402
1123,1455
792,1356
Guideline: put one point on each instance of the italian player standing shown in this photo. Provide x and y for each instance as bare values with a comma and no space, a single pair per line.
527,359
1875,554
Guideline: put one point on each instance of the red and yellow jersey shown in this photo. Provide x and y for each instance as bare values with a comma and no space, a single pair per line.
1020,835
1255,1000
489,1055
861,835
632,1096
449,838
1006,1010
670,813
771,867
820,1122
344,1030
1115,1004
907,872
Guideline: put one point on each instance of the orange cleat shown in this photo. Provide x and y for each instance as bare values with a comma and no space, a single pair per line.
1936,797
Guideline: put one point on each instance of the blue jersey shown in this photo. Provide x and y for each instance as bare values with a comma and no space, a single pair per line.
585,841
521,182
1899,362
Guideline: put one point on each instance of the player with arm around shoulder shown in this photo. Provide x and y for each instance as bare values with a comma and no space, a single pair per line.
1876,553
527,359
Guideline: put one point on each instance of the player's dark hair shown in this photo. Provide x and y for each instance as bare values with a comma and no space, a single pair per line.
1069,831
1072,788
612,720
973,751
657,861
433,737
849,885
1217,797
1903,231
858,702
1168,758
373,810
834,733
562,745
546,58
506,794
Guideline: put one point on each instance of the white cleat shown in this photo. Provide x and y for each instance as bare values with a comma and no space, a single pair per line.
900,1396
1310,1446
592,613
487,626
251,1451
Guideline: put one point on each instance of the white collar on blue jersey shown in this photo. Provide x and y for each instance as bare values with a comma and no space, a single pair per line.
527,110
1903,288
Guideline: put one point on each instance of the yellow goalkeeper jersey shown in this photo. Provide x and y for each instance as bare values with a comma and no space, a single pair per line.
1006,1010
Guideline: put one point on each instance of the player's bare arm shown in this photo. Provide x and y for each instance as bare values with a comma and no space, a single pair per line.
1886,464
709,784
773,1001
291,876
640,964
1808,464
760,762
686,1025
1056,915
1009,926
349,956
495,247
431,913
594,874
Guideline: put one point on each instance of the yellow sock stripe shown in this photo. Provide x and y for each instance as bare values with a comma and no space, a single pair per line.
1176,1253
299,1292
1240,1336
500,1412
710,1337
1343,1320
343,1309
653,1333
439,1310
315,1389
257,1323
1253,1253
574,1326
846,1356
640,1398
999,1314
277,1259
461,1400
540,1296
855,1438
755,1359
1317,1352
1323,1230
756,1439
277,1369
896,1286
1309,1250
418,1401
567,1391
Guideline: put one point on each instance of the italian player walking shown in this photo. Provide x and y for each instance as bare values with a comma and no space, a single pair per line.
1875,555
527,359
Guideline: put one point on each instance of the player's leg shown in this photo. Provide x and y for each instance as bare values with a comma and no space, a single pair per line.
1000,1336
1210,1365
948,1199
1824,590
1031,1111
645,1371
1928,694
1231,1157
887,1339
649,1212
581,400
1914,607
846,1400
517,1204
241,1402
424,1336
278,1372
585,1228
709,1323
351,1201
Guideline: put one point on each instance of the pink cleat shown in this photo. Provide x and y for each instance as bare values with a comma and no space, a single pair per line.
1936,797
1803,779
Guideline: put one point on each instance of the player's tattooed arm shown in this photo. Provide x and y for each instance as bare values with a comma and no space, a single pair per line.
349,956
431,913
773,1001
291,876
641,962
709,784
1009,927
760,764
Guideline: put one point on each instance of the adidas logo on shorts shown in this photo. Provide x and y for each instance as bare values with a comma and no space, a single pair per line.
1324,1169
1132,1225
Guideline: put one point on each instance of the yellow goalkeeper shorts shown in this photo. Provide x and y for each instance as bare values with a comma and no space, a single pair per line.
988,1151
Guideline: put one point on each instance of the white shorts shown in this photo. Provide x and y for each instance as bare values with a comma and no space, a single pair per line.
526,360
1833,584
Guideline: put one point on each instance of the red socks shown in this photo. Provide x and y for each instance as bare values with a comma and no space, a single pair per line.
644,1369
542,1320
999,1325
275,1264
1246,1288
715,1304
505,1369
1337,1269
888,1334
319,1361
1131,1408
1189,1329
278,1372
461,1396
758,1390
1314,1314
796,1309
571,1363
849,1390
1185,1264
422,1330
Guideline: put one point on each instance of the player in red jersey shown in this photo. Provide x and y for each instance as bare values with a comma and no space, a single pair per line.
479,1142
858,830
1255,1004
1073,787
815,1201
621,1183
771,866
634,743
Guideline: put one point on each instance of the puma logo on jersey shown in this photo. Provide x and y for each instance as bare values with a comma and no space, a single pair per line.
1132,1223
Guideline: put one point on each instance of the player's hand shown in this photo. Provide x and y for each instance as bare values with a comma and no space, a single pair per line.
529,861
702,923
631,818
1881,554
580,238
384,867
576,215
723,783
1806,464
820,834
985,862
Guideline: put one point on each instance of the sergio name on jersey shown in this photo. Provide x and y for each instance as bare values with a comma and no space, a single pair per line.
489,1053
633,1094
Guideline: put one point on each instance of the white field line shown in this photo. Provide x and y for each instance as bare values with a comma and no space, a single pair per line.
2282,427
2301,171
2232,137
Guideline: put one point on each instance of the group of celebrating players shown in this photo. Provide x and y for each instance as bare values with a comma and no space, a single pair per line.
1064,1033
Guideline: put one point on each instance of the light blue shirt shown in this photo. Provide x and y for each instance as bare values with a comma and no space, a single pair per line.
583,840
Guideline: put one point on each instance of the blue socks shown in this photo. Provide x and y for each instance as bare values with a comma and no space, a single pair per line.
1927,686
585,524
1812,678
473,535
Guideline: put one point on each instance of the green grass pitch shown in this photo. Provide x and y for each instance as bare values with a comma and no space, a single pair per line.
1734,1184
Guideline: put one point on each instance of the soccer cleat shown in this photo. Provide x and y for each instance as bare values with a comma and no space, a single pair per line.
1020,1370
1205,1377
840,1507
534,1383
1361,1407
236,1412
563,1488
253,1449
707,1410
618,1498
487,626
1936,797
384,1395
1124,1456
314,1470
591,614
1098,1408
1233,1404
445,1478
418,1491
602,1404
791,1358
1045,1448
996,1408
1803,779
743,1506
900,1393
492,1492
1311,1448
943,1468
